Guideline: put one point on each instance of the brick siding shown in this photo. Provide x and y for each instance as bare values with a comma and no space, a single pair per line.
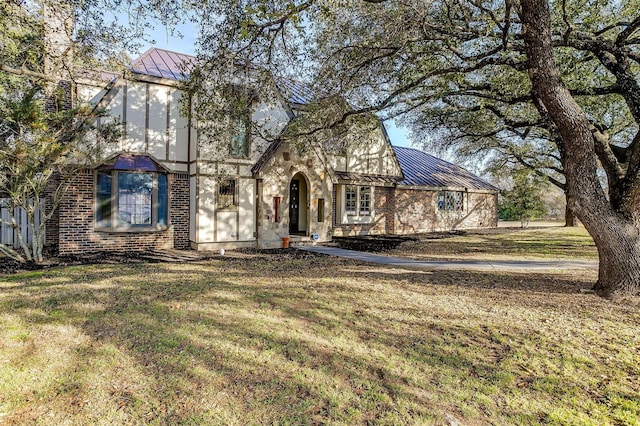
76,221
51,227
179,211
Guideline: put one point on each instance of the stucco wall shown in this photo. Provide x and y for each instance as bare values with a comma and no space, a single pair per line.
153,122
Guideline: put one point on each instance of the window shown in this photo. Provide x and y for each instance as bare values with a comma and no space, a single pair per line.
131,193
357,200
351,199
239,102
227,197
451,200
365,200
239,146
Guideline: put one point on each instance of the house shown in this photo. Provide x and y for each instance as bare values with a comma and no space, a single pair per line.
163,185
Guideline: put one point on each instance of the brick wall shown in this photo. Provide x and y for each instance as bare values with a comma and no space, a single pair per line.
179,210
52,229
76,221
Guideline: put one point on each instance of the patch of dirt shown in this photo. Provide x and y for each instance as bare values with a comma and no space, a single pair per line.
9,266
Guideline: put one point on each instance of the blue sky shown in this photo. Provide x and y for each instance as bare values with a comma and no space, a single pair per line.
187,43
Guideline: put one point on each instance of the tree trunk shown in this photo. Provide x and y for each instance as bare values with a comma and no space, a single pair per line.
619,270
569,217
616,236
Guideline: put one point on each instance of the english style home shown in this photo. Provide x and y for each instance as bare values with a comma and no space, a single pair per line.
161,186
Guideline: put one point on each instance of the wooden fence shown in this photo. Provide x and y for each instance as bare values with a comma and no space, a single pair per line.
9,235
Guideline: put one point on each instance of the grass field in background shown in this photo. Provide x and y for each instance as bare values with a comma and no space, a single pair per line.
302,339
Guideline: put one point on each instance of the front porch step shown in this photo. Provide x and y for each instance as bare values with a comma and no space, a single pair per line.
300,240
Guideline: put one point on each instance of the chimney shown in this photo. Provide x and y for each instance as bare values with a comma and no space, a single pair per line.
58,53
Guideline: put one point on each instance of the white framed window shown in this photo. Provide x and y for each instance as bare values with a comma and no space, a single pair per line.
351,199
357,202
239,145
365,200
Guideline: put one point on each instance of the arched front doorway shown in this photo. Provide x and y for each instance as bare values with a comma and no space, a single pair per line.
298,205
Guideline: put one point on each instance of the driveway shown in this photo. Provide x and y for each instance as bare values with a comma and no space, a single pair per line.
476,265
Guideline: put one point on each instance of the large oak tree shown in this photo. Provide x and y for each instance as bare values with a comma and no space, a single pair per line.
501,67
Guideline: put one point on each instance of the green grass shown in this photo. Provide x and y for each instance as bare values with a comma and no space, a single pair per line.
278,339
531,243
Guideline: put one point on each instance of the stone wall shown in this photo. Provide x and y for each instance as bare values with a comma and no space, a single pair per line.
76,221
416,211
383,204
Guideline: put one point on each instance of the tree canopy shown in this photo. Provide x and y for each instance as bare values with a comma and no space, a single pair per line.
462,73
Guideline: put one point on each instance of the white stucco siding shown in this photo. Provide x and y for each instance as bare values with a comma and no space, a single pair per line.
192,208
246,209
371,156
136,100
178,129
226,226
206,208
157,131
90,94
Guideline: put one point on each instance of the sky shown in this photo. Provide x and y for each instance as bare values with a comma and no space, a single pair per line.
186,44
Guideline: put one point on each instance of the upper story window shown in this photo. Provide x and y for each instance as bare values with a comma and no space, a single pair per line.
240,100
451,200
132,193
239,145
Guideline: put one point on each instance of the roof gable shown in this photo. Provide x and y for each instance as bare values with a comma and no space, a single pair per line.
163,64
422,169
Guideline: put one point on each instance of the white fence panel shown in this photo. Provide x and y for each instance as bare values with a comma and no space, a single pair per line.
9,235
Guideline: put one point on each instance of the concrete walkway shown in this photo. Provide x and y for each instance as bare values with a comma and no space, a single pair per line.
476,265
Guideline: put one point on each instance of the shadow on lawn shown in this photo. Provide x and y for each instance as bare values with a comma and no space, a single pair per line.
232,342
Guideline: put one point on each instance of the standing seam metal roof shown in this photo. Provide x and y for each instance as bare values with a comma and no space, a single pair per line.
164,64
422,169
177,66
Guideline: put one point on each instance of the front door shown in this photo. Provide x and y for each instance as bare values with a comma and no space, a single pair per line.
294,206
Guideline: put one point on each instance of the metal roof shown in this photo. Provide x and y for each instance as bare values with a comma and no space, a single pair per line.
367,178
422,169
164,64
294,91
177,66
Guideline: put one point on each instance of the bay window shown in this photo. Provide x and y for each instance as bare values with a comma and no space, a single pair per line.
131,194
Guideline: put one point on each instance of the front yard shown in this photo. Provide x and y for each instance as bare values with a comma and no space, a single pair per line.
302,339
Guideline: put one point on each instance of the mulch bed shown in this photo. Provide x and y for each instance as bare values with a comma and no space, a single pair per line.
9,266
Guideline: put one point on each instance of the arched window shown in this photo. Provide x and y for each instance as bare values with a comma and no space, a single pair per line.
132,193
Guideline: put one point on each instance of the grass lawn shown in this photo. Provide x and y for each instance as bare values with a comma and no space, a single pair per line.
288,339
502,244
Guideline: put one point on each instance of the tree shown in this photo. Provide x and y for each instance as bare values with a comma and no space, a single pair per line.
43,127
523,200
422,60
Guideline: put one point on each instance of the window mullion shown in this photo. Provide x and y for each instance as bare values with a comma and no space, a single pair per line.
114,200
